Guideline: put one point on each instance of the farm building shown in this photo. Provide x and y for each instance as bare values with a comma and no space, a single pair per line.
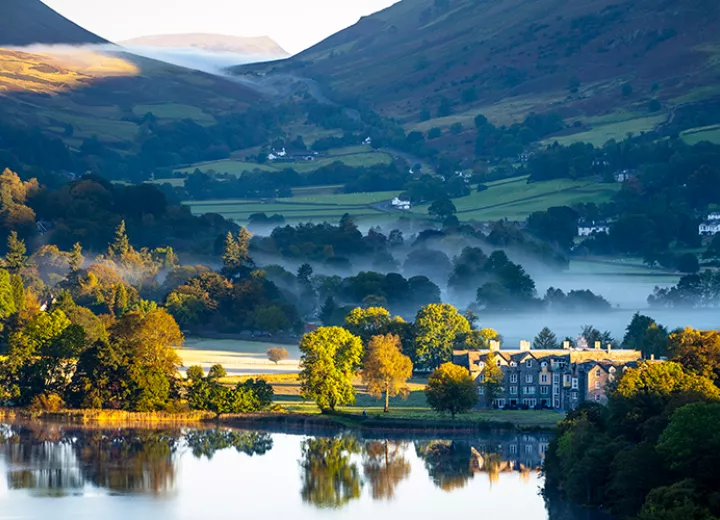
585,229
400,204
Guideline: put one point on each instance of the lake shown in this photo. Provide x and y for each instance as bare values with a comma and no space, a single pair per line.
72,472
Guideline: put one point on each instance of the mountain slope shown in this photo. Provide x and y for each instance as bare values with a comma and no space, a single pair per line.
26,22
261,46
423,58
93,88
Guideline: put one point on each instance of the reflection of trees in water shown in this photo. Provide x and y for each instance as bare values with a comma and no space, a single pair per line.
205,443
385,467
449,463
330,478
58,460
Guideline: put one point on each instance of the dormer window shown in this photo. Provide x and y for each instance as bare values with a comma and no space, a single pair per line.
529,363
513,364
544,364
499,362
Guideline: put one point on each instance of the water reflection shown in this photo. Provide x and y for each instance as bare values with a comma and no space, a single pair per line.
330,478
189,467
54,460
385,466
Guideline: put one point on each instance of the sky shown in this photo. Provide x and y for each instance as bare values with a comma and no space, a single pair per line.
294,24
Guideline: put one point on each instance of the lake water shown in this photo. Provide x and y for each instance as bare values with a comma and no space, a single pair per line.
69,472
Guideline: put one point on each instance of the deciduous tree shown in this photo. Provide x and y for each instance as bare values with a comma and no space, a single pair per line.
437,327
386,369
277,354
451,389
330,358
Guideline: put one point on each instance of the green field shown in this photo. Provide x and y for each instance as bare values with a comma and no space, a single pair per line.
610,127
697,135
310,208
514,199
353,156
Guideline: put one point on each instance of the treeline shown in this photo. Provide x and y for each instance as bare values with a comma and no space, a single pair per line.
90,339
651,452
88,209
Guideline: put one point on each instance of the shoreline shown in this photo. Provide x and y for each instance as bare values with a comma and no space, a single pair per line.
294,422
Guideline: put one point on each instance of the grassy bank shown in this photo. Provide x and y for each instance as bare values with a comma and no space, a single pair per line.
105,417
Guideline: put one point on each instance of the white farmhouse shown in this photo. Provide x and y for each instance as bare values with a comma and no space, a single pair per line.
710,226
368,141
272,157
400,204
587,229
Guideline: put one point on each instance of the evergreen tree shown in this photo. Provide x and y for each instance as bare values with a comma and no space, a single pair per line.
545,340
328,311
121,300
120,244
77,260
236,256
18,292
16,257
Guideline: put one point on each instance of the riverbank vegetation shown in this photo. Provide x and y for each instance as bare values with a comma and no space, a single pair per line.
651,452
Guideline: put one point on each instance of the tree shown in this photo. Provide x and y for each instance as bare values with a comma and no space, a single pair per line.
330,358
16,257
437,327
386,369
442,209
451,389
697,351
644,334
76,260
277,354
545,340
236,255
121,244
367,323
492,379
687,263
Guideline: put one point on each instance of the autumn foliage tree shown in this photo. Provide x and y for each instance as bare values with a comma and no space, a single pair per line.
451,389
386,369
277,354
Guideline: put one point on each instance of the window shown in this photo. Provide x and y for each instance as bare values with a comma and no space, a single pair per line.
575,384
513,390
566,379
598,373
544,390
482,378
597,385
528,363
528,378
556,379
528,449
513,364
544,379
544,447
543,364
528,390
499,362
597,398
513,378
532,403
500,403
481,390
513,449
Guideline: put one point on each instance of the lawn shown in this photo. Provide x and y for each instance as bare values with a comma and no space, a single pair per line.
287,395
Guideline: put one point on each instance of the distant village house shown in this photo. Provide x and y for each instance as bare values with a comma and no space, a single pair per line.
400,204
711,226
585,229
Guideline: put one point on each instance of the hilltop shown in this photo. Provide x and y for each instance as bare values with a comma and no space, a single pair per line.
261,46
442,59
27,22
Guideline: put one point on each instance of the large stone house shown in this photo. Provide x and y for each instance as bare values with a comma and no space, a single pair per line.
558,379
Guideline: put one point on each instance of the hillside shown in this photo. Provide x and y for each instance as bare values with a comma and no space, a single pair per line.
79,92
261,46
422,59
27,22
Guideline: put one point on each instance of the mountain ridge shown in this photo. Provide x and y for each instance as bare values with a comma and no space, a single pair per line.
30,22
255,45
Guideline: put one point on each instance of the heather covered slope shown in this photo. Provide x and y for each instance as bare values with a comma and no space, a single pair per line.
429,57
27,22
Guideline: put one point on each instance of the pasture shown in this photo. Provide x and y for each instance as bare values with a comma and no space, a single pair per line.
697,135
239,357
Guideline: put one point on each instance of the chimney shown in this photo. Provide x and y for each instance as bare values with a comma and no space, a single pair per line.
524,346
652,357
566,345
609,348
597,345
494,345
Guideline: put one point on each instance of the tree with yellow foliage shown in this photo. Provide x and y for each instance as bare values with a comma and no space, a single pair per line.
386,368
